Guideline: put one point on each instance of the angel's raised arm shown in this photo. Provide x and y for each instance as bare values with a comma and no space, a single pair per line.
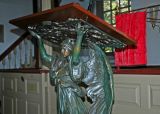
43,54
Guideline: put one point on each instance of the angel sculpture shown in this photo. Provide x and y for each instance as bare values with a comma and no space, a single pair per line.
71,69
99,79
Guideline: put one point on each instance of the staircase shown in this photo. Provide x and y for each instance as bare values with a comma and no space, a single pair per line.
22,54
24,87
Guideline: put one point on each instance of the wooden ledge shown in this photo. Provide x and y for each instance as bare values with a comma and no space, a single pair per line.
28,70
146,71
140,71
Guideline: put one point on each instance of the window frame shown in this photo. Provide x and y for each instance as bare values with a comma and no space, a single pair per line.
119,10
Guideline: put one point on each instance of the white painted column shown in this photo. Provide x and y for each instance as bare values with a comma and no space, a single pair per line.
46,4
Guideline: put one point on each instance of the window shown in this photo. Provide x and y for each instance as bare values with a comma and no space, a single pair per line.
112,7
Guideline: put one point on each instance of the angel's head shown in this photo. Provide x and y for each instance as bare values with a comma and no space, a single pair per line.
67,47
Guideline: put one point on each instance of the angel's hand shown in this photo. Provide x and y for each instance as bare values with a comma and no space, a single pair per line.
34,34
80,30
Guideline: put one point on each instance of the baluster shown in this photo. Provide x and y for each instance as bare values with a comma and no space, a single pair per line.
20,54
15,58
25,48
31,58
9,60
3,63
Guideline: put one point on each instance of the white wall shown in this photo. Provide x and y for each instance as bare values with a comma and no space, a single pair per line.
10,9
143,3
153,36
84,3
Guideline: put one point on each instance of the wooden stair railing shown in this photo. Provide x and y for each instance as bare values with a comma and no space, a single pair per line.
21,54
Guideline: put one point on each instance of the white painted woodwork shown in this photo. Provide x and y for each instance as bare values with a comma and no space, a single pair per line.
134,94
30,54
20,57
26,93
15,57
46,4
3,63
48,47
25,52
137,94
9,61
20,54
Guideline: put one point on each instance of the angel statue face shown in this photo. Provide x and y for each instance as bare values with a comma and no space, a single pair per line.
67,47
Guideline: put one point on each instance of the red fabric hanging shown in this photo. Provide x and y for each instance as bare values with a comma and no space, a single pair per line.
134,25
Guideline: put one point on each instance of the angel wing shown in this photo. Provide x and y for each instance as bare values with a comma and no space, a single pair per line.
99,78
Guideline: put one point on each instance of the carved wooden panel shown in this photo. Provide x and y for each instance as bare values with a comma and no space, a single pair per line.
32,87
20,85
8,105
24,93
20,106
128,94
154,95
7,84
137,94
33,108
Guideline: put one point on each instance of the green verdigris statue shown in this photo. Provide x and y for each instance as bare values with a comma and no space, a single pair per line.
70,69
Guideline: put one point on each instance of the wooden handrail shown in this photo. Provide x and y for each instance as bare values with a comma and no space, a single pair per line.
25,70
13,46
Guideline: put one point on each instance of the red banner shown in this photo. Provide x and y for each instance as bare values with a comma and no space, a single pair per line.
134,25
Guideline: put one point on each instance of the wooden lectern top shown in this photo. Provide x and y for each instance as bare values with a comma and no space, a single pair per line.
74,11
